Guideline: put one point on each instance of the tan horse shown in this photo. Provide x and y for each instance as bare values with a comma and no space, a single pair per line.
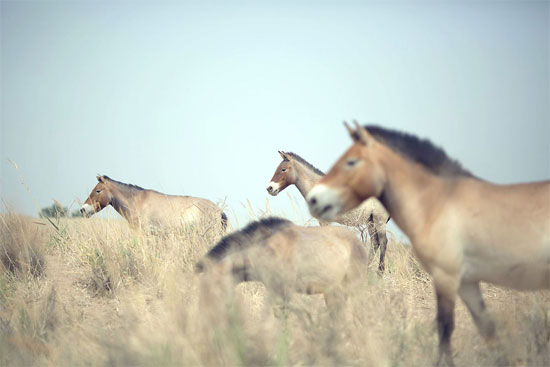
294,170
463,230
149,209
289,258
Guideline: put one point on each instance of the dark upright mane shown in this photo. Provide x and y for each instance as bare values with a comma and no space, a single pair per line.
130,186
249,236
306,163
421,151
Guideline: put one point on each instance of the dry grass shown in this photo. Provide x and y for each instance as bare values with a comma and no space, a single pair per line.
92,292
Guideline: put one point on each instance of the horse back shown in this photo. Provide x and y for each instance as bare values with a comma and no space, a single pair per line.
176,210
318,257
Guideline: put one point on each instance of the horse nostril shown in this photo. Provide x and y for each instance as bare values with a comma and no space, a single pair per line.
326,209
82,210
313,201
269,189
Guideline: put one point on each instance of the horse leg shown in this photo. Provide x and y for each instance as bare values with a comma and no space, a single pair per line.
363,234
377,232
371,227
383,240
472,298
445,290
335,300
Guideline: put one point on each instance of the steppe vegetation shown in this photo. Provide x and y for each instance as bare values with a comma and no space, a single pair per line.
93,292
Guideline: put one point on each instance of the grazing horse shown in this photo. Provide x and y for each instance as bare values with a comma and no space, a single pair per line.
148,209
463,230
290,258
294,170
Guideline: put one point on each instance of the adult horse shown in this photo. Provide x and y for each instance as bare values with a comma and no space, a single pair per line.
147,209
294,170
464,230
290,258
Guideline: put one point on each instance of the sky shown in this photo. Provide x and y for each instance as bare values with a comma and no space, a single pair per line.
196,98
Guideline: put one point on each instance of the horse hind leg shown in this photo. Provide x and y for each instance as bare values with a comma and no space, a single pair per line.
377,233
371,227
383,240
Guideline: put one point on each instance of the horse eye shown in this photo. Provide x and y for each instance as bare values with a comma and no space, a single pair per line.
98,191
284,170
352,162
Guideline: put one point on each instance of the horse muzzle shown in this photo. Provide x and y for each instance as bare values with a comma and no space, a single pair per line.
87,210
324,202
273,189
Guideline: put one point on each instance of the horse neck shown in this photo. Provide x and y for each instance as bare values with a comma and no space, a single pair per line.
306,178
410,193
123,199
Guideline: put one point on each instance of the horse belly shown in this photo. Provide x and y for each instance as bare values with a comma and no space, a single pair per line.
319,271
508,248
517,274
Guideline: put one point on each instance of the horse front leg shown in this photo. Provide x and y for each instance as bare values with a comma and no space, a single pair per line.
470,293
336,301
445,327
446,286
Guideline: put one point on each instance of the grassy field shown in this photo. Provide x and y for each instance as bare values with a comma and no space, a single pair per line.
93,292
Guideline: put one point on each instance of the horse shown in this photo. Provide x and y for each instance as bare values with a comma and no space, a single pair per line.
149,209
289,258
294,170
464,230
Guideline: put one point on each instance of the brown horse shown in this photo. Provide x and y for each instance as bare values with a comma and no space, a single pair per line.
290,258
147,209
294,170
463,230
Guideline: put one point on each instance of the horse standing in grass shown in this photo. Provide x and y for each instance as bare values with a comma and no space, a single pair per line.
147,209
462,229
294,170
290,258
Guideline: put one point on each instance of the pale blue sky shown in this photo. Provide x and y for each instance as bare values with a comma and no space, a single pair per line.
195,98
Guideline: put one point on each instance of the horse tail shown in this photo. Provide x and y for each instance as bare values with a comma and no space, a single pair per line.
224,222
254,233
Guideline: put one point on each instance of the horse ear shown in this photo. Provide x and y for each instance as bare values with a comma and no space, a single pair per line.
351,132
100,178
283,155
363,136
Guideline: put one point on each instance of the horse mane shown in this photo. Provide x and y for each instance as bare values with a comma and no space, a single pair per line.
306,163
129,186
421,151
251,235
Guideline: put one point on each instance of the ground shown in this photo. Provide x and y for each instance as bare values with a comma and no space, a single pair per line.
94,292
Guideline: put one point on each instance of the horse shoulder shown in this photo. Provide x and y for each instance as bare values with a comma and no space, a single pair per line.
440,243
282,244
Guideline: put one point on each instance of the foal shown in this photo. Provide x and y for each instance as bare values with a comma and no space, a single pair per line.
462,229
148,209
289,258
294,170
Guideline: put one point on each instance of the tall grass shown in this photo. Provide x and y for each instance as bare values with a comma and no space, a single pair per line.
94,292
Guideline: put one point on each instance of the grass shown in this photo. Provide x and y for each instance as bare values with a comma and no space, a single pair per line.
93,292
